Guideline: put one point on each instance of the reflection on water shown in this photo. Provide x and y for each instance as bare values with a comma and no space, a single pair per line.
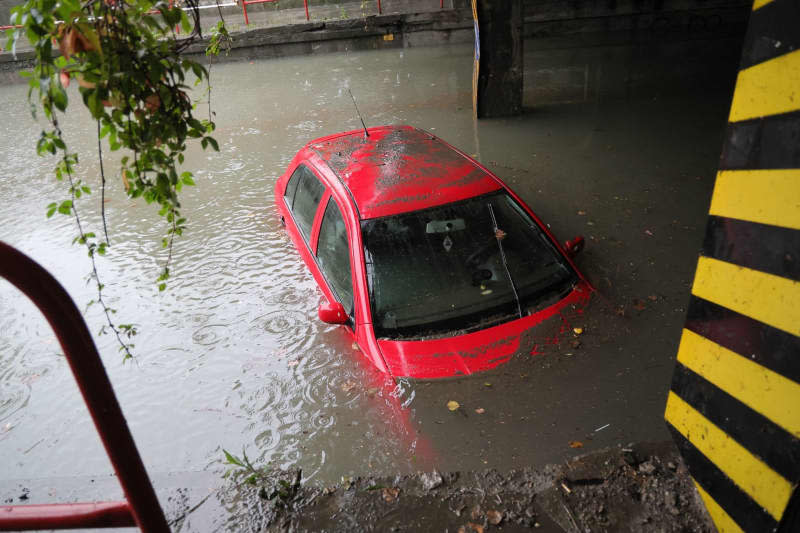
232,355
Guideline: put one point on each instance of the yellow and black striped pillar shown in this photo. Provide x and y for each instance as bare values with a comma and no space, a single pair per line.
734,403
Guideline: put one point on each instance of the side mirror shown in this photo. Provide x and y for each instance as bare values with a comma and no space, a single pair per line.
332,313
574,246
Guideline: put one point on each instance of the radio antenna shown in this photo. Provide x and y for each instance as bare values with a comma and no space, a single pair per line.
366,133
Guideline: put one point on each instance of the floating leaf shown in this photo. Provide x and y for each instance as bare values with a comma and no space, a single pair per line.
577,331
575,444
480,410
390,495
494,517
453,405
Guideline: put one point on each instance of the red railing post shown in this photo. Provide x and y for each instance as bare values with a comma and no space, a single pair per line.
379,7
244,9
84,361
305,3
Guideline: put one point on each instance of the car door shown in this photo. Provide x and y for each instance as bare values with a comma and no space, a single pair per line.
333,255
321,228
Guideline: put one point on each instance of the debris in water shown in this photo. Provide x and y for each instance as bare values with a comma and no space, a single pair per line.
575,444
566,489
487,384
431,480
294,362
453,405
638,304
390,495
648,232
601,428
652,298
355,346
577,331
348,386
495,517
480,410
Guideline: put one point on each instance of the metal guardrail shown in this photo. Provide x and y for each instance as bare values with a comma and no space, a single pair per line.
141,507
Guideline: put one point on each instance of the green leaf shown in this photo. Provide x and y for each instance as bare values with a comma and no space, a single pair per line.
95,104
232,459
66,207
212,142
51,208
186,26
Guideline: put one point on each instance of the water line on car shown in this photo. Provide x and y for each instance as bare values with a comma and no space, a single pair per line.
499,238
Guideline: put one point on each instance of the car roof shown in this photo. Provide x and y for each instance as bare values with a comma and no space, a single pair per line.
398,169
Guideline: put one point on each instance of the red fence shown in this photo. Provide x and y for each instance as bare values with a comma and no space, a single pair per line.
246,3
141,507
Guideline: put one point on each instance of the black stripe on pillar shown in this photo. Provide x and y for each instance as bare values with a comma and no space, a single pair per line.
775,446
771,249
772,32
763,143
739,506
770,347
790,522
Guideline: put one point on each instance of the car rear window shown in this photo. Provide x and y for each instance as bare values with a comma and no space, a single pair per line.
308,191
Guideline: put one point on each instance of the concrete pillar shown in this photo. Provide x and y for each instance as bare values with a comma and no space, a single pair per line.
499,84
737,376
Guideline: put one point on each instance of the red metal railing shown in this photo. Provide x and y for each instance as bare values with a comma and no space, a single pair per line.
141,507
246,3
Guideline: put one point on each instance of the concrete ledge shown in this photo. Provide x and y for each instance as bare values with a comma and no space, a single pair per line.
372,32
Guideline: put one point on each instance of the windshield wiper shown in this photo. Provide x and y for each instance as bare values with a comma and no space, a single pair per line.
497,235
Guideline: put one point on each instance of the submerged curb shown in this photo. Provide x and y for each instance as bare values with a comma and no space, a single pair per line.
643,487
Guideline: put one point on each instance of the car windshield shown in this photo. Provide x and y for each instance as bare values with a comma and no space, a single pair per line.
459,267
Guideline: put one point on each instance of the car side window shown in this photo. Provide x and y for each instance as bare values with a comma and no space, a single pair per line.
306,198
291,187
333,255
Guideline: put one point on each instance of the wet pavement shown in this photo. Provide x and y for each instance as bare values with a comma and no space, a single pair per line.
617,144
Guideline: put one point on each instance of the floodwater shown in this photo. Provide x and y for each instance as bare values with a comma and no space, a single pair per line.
612,146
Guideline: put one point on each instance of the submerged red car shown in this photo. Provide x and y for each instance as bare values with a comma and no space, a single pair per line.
429,260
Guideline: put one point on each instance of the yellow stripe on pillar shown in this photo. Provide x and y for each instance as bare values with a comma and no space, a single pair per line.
763,196
762,484
764,297
761,389
768,88
760,3
722,520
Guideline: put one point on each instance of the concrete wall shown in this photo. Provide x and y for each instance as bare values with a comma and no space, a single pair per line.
5,9
629,20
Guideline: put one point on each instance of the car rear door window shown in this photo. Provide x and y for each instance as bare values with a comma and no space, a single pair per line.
291,187
306,198
333,255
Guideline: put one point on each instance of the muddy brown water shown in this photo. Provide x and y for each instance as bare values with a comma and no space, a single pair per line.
613,146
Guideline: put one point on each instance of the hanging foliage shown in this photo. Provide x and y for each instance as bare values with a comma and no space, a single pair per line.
126,57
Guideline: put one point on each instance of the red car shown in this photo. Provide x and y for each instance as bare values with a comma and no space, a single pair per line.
429,260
